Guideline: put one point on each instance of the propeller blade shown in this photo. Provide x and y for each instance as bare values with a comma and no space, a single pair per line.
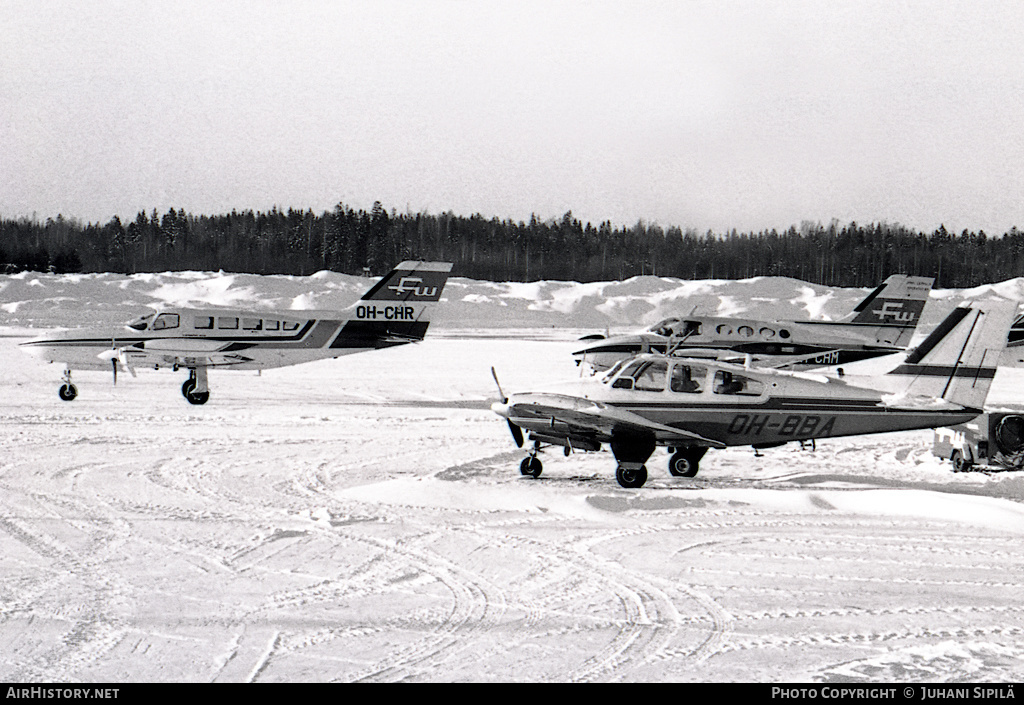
517,434
113,364
504,399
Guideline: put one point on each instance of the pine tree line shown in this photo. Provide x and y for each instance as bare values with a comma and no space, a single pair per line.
356,241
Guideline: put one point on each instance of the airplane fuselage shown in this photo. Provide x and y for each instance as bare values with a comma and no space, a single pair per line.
393,311
806,344
244,340
772,408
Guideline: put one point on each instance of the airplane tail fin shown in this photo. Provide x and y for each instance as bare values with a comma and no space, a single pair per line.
957,361
892,311
396,309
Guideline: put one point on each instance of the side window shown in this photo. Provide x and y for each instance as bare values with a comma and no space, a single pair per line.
227,322
688,379
652,377
729,383
723,329
289,325
202,322
165,321
271,325
252,324
691,328
745,331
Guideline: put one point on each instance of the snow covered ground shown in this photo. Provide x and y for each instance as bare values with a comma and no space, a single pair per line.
364,518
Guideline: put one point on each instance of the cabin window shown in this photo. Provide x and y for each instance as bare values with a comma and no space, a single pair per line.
723,329
271,325
289,325
783,333
252,324
202,322
227,322
729,383
745,331
652,377
767,333
688,378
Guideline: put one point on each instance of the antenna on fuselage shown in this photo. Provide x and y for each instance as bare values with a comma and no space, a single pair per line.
675,346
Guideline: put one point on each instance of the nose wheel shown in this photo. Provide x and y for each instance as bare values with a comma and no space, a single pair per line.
67,391
531,466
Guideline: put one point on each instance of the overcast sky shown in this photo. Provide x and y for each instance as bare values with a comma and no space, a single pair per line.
710,115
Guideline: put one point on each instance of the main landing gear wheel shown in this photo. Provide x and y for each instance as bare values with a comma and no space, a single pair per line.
683,465
531,467
631,478
68,392
188,390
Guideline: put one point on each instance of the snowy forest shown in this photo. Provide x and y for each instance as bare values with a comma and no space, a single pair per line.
355,241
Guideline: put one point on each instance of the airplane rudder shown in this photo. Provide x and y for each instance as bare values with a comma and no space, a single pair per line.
958,360
412,282
898,302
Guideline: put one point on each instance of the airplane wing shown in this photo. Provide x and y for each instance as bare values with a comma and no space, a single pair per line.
557,414
131,356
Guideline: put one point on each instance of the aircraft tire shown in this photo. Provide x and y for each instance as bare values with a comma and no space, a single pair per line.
682,464
188,390
198,398
68,392
960,463
631,479
531,467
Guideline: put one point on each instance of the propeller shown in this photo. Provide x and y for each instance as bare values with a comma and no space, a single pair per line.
504,399
517,433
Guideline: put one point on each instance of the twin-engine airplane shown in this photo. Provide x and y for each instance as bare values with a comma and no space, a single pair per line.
690,405
882,324
392,312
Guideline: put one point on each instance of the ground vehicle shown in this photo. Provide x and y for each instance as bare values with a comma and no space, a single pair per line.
993,440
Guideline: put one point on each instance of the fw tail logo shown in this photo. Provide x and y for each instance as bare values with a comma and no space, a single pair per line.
893,311
414,286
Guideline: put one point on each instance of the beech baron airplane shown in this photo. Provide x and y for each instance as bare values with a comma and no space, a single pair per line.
392,312
690,405
882,324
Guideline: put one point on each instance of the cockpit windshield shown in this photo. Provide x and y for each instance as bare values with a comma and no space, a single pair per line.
665,327
615,368
141,323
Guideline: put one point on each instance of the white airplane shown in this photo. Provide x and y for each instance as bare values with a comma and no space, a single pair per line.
392,312
690,405
882,324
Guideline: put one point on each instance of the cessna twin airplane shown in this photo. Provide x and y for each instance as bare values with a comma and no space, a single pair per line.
690,405
392,312
881,324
